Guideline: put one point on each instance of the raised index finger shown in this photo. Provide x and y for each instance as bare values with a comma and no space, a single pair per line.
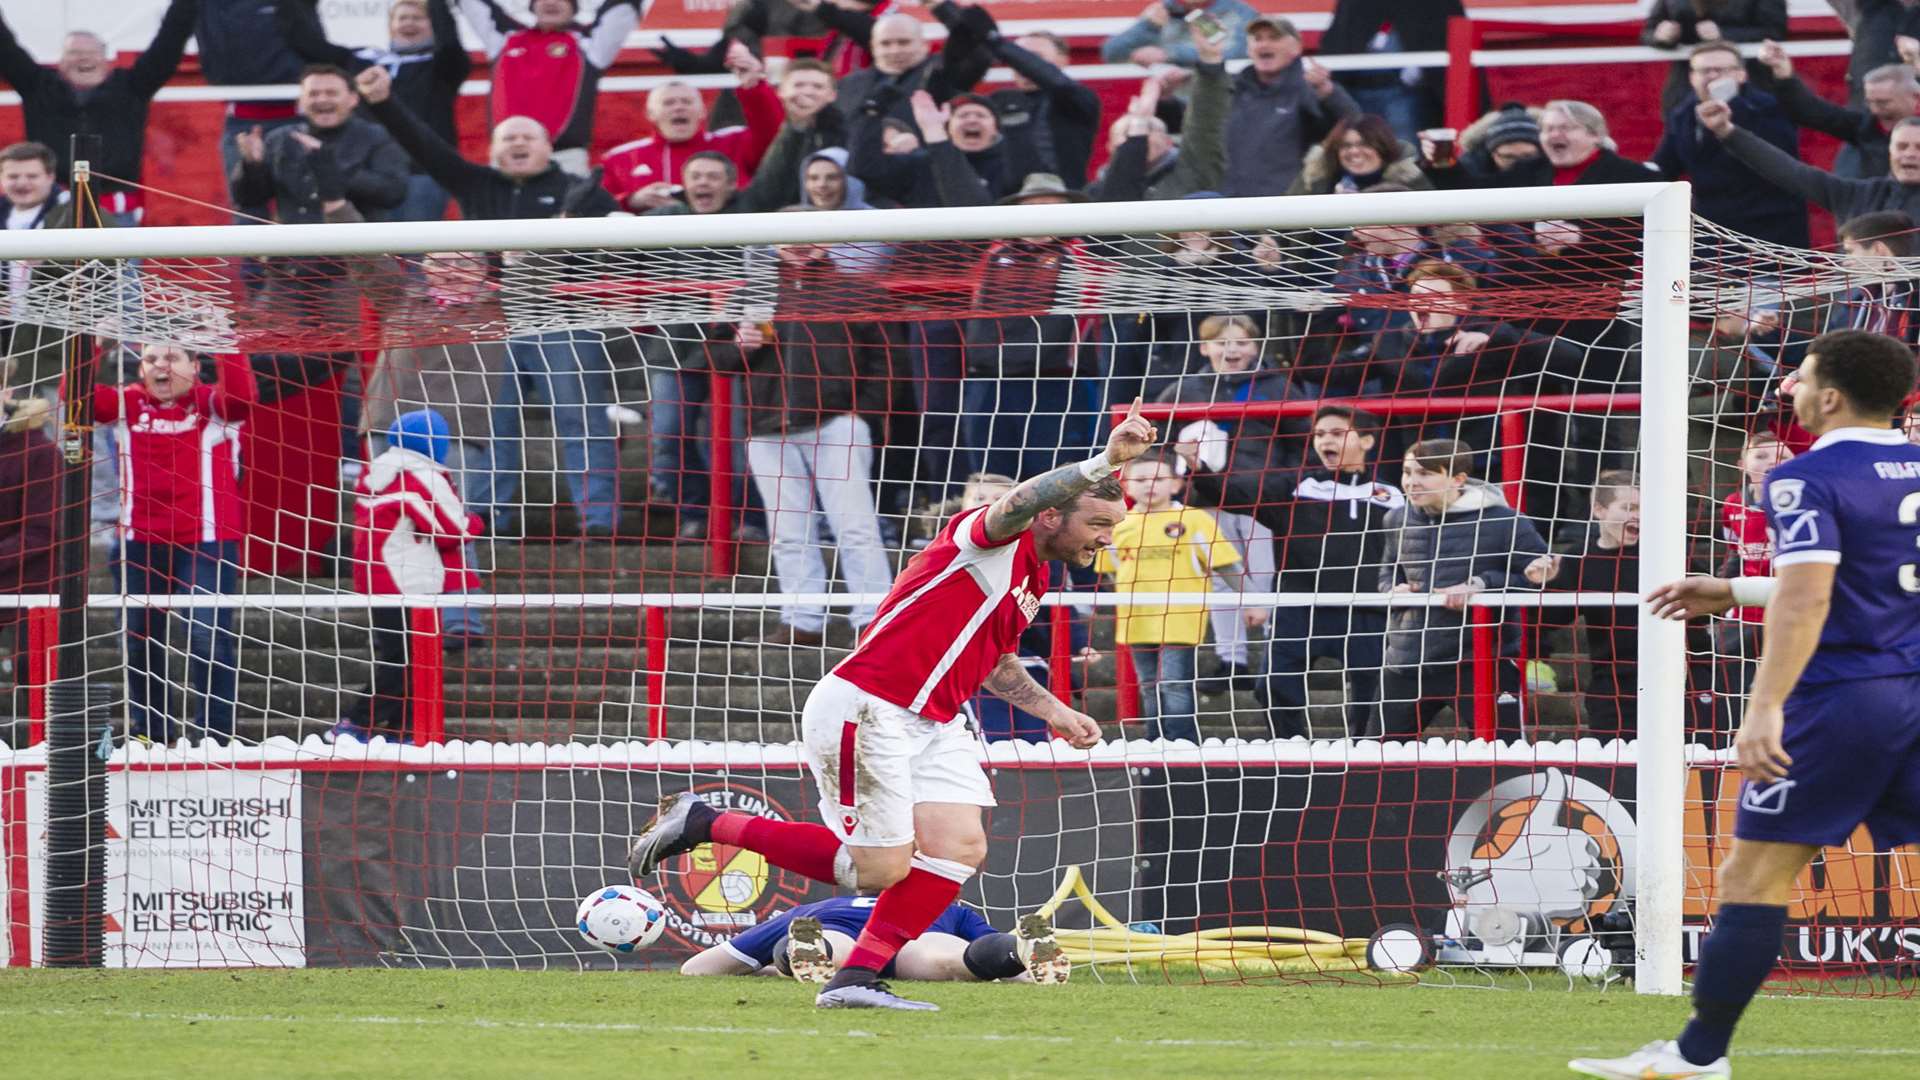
1133,410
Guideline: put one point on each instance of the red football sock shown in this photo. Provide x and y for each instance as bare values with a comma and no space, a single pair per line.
906,909
799,846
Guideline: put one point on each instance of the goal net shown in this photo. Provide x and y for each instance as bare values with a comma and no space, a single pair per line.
409,565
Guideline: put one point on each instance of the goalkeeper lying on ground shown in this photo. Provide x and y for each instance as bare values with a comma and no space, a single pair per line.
960,946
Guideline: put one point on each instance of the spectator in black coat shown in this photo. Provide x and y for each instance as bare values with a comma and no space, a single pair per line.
240,44
1328,520
1889,95
331,154
964,160
427,62
31,197
1726,191
84,94
520,181
1410,99
1876,27
1047,109
1604,557
903,64
1847,199
1675,24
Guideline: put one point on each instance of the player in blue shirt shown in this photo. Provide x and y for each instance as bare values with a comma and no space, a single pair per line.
960,946
1831,737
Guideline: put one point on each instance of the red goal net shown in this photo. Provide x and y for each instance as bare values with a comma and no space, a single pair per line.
412,581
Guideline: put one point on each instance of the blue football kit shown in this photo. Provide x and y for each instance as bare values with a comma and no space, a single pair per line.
849,915
1852,722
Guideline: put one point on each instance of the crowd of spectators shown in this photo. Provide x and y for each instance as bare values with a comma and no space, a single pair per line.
852,423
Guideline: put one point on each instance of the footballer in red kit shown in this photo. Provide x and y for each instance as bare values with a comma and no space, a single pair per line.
900,782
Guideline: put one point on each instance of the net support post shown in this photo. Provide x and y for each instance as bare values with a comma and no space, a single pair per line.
1661,760
427,672
1126,698
1463,99
656,643
1060,653
721,553
1486,654
43,634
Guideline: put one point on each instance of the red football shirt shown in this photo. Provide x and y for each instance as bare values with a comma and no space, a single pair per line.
180,460
953,612
1745,528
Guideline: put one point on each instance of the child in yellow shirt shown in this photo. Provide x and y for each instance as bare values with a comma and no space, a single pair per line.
1164,547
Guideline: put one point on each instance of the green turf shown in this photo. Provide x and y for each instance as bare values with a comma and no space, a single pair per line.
477,1024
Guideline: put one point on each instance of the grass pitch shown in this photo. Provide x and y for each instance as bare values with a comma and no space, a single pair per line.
482,1024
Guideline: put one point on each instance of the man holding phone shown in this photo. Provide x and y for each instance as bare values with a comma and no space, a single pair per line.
1167,29
1725,190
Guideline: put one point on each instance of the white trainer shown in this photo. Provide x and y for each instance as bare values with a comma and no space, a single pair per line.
1040,951
1654,1061
869,995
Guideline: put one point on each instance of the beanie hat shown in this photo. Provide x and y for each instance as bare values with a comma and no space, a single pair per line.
1510,126
422,431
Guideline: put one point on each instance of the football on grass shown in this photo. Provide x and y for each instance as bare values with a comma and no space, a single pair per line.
621,918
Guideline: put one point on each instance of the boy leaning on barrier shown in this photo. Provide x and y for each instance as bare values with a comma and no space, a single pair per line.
1455,537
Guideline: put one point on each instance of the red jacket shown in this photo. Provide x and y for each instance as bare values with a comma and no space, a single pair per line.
633,165
551,75
180,460
30,468
408,528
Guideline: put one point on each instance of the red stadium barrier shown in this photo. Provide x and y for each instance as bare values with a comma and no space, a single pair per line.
425,675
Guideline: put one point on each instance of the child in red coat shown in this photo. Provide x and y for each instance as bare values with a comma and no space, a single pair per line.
408,529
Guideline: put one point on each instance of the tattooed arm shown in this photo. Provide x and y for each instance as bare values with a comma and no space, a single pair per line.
1010,683
1015,510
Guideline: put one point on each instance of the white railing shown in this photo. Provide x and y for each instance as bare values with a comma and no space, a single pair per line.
1482,58
842,226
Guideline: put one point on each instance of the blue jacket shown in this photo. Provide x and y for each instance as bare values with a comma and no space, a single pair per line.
1726,191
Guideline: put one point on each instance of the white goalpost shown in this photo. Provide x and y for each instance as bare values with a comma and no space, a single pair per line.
714,711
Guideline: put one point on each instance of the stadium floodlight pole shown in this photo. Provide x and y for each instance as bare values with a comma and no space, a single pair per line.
75,900
1661,764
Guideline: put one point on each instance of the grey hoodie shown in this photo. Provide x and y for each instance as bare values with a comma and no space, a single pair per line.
1478,538
854,256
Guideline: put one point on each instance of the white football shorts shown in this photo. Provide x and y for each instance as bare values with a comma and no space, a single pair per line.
873,761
